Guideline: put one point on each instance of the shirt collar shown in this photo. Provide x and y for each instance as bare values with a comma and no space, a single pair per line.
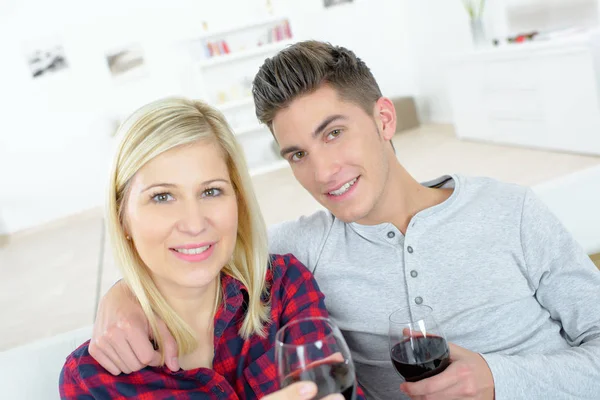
235,294
445,181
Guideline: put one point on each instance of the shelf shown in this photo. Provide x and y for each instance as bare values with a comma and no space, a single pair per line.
243,54
230,105
269,167
252,25
244,130
559,46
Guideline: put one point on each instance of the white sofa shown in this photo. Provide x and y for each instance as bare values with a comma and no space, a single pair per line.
31,372
575,200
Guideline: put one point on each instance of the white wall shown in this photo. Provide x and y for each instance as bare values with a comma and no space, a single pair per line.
376,30
55,139
438,29
542,15
55,143
53,153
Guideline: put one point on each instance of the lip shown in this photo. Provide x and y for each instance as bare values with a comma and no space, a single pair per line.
193,257
350,191
334,188
193,245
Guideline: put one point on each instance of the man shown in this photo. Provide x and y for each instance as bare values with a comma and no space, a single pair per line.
514,294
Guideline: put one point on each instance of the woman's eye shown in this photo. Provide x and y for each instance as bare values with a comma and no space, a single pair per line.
212,192
162,197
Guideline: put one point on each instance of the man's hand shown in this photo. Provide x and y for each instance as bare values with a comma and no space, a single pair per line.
467,377
300,391
120,340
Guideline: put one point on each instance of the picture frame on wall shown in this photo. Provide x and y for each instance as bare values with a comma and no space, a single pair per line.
127,62
331,3
44,60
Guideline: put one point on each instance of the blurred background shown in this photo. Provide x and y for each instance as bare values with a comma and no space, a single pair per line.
503,88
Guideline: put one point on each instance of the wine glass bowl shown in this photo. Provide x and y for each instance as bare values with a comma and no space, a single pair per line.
418,347
313,349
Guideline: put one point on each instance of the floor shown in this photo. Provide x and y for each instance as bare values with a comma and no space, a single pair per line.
51,277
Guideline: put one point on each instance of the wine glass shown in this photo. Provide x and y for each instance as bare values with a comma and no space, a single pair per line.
418,347
313,349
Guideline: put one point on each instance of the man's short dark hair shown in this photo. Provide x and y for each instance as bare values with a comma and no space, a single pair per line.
304,67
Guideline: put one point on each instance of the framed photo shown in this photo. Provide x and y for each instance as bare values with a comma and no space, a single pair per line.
127,62
330,3
46,60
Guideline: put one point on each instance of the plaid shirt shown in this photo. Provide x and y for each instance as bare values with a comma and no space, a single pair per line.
241,369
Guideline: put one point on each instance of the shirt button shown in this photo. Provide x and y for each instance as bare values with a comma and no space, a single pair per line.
419,300
391,234
414,273
409,249
218,331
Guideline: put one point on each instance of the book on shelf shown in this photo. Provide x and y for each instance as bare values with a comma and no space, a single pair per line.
275,33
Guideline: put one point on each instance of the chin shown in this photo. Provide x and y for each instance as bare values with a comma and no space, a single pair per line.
194,283
198,279
348,216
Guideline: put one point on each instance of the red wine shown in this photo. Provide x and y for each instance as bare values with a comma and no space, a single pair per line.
421,357
329,378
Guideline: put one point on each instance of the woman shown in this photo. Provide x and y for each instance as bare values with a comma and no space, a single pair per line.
188,235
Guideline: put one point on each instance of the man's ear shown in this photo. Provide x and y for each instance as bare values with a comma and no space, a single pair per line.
385,114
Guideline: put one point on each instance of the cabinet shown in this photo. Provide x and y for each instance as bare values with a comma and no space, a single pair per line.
538,94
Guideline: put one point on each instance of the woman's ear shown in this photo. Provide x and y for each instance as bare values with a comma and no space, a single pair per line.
386,114
125,230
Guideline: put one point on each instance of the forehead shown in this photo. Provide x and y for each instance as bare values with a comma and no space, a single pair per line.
199,160
305,113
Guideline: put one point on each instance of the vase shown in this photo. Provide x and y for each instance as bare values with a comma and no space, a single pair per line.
478,33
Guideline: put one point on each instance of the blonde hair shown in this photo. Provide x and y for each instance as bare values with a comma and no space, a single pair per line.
153,130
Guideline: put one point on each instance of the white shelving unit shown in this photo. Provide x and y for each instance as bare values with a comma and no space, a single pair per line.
226,63
243,28
244,54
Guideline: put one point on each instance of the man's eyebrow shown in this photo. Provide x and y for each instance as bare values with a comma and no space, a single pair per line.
326,122
290,149
320,128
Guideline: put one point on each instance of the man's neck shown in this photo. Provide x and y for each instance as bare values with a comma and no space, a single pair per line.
403,198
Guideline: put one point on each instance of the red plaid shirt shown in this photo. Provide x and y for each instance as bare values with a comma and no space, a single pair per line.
241,369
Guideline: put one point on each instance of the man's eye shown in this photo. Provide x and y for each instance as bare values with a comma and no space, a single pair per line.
333,134
297,156
162,197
